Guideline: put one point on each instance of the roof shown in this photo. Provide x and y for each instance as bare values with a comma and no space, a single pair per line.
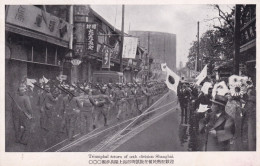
105,21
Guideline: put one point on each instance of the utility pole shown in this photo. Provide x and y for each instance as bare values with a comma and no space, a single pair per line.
237,39
197,66
122,38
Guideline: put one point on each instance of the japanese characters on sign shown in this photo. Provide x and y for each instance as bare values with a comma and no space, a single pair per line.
33,18
106,58
91,37
129,47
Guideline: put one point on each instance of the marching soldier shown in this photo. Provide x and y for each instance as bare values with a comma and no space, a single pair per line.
71,107
120,101
22,113
86,111
47,103
101,102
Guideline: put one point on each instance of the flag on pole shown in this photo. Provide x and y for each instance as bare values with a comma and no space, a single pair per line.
220,89
164,67
172,80
203,108
30,82
203,74
205,87
43,80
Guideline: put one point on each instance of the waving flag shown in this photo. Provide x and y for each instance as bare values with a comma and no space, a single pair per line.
203,74
203,108
172,79
205,87
220,89
30,82
164,67
43,80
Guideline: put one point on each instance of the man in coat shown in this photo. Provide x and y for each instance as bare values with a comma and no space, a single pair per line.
20,107
218,126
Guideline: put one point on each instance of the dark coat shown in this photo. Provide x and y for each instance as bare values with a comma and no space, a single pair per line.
225,129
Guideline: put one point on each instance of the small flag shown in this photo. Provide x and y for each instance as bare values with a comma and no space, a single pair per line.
205,87
220,89
30,82
203,74
172,80
164,67
203,108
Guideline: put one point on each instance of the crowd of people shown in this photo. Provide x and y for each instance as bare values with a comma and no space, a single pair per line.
221,114
49,107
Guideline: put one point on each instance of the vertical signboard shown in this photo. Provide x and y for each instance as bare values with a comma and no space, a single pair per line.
106,56
129,47
91,37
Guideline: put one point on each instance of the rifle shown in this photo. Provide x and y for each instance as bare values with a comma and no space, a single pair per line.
79,88
38,86
19,108
64,90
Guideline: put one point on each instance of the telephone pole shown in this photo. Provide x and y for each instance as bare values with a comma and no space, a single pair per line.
122,38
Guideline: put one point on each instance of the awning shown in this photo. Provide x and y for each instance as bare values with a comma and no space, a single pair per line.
35,35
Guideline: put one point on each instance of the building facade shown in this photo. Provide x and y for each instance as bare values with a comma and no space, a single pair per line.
161,47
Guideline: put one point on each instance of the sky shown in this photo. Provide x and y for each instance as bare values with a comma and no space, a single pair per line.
177,19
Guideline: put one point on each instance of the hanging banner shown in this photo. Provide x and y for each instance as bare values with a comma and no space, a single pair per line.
91,37
129,47
106,58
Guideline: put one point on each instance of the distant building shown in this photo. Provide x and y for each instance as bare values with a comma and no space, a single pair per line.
160,46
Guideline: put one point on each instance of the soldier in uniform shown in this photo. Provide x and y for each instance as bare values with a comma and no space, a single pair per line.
86,111
71,107
20,107
120,101
102,103
47,103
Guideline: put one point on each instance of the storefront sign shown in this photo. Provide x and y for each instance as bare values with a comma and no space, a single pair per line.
106,58
129,47
91,37
33,18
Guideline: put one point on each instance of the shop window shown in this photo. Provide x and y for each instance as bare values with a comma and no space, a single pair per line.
51,50
39,52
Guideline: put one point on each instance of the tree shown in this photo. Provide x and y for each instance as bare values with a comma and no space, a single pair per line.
216,45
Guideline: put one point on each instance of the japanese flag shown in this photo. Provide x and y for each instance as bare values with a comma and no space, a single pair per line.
203,108
203,74
220,89
172,80
205,87
43,80
30,82
164,67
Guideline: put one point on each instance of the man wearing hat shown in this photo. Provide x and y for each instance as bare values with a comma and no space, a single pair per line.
70,108
21,105
218,126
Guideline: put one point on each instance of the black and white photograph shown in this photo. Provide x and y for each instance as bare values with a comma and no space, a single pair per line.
130,78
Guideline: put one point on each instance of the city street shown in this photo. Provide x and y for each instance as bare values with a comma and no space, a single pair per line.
139,133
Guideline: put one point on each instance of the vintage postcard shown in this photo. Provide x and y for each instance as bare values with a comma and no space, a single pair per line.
129,83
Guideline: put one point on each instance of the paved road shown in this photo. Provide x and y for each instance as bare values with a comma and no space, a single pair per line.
160,131
163,135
